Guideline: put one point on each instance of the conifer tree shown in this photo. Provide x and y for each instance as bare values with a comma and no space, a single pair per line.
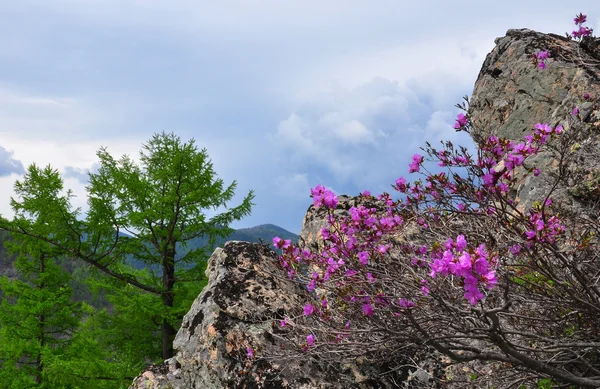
141,215
41,342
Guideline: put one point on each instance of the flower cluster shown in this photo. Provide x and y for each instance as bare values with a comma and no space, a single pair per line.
415,165
356,247
351,246
461,122
543,228
581,30
475,268
323,196
541,57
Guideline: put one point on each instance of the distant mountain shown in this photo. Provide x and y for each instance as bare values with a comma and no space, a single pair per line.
264,233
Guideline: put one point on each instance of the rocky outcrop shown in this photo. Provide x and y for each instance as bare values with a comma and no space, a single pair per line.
234,313
511,95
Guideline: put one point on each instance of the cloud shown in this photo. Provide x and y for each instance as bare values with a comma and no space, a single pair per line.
363,137
80,174
8,164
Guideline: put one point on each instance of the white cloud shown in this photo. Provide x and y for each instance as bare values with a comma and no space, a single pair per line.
354,132
366,133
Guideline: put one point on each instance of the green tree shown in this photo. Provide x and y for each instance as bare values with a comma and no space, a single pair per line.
37,319
41,344
144,214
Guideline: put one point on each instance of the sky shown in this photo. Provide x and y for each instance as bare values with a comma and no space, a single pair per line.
283,94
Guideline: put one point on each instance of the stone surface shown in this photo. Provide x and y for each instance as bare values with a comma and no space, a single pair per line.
511,95
235,311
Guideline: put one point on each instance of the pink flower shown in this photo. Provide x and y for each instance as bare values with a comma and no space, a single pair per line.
580,19
308,309
351,272
481,266
515,249
250,352
368,309
363,258
424,288
383,249
575,111
542,55
323,196
473,295
461,121
490,279
278,242
405,303
415,164
401,184
461,243
310,340
488,179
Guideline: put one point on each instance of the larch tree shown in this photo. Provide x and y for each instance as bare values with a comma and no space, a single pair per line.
143,215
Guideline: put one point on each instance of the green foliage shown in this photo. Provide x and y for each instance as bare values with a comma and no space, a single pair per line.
42,339
145,213
37,315
545,384
161,205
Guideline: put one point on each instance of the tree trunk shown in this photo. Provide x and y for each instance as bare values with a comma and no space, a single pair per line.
168,280
41,328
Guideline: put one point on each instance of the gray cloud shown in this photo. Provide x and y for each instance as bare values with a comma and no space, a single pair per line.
364,137
8,164
80,174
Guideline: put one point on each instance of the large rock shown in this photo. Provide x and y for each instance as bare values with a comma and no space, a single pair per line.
245,294
511,95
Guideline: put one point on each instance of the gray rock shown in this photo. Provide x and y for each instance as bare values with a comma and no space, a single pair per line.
245,294
511,95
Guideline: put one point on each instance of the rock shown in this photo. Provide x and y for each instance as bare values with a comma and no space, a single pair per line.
511,95
245,294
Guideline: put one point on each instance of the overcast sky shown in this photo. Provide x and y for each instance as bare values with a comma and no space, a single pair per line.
284,94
